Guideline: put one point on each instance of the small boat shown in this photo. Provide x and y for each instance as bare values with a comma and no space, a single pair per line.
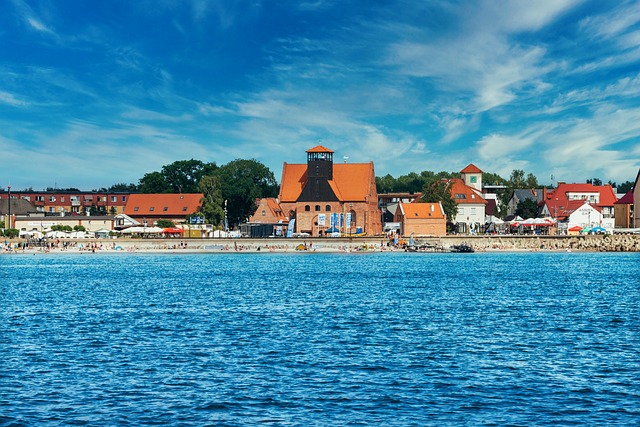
462,248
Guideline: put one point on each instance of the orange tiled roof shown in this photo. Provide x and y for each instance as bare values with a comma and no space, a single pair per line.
350,181
464,193
422,210
607,195
471,168
319,149
274,207
162,204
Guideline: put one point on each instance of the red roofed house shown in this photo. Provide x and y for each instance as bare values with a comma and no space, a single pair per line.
421,219
268,211
319,196
152,207
623,211
562,202
467,192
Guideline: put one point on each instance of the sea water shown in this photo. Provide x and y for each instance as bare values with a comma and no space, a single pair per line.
388,339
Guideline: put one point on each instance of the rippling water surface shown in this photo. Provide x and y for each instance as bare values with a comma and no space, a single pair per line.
320,339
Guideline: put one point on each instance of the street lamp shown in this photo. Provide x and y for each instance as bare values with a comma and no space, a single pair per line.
9,206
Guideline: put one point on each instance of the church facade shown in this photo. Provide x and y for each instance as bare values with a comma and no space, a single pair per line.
321,197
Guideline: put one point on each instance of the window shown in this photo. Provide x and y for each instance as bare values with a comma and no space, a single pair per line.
124,198
317,208
136,209
184,209
114,199
52,198
460,196
39,198
27,198
151,209
264,213
166,208
62,199
327,208
307,208
473,179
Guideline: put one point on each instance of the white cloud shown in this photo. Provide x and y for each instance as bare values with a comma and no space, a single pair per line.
8,98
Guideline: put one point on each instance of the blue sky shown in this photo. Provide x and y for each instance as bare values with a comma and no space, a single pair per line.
98,93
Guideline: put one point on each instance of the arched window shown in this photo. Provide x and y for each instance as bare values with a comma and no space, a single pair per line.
317,208
327,208
307,208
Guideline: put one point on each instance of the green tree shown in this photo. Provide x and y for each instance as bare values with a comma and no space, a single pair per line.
493,179
79,228
438,191
625,187
595,181
527,208
242,182
532,181
212,203
183,176
153,182
11,233
516,180
386,184
123,188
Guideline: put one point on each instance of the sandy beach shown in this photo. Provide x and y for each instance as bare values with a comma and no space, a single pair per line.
484,243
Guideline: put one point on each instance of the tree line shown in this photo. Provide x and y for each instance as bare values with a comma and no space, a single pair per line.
234,186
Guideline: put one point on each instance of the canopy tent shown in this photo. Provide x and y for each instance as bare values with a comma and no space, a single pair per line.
575,228
30,234
142,230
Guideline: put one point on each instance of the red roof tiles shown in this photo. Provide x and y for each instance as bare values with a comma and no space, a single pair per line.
471,168
351,181
162,205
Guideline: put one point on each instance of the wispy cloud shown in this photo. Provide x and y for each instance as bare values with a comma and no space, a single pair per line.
10,99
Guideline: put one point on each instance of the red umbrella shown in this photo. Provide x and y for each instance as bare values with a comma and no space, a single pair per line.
173,230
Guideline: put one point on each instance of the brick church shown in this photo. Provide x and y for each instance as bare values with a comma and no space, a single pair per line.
322,197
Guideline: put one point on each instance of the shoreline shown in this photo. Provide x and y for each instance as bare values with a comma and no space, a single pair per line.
481,243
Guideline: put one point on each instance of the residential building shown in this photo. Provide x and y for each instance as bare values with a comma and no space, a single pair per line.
149,208
520,195
578,213
421,219
72,202
268,211
267,220
321,196
560,203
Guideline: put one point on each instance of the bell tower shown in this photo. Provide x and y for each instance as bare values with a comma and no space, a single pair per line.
319,173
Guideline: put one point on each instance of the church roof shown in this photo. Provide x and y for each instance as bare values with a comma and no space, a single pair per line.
319,149
351,181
